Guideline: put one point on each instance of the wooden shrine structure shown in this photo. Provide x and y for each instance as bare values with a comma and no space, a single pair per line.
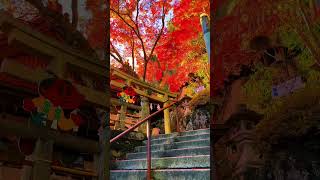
26,57
146,92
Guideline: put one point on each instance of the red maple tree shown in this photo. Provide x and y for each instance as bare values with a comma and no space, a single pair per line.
135,30
182,49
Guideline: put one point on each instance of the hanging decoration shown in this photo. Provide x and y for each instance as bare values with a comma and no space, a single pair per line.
57,103
26,145
128,95
287,87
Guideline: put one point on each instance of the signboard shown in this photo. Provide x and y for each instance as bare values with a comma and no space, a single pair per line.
287,87
205,23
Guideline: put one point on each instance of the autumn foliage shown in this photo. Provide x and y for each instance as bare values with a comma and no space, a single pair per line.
244,20
182,50
166,50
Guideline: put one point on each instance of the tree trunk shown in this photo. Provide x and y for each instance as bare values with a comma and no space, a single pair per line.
145,70
132,53
75,14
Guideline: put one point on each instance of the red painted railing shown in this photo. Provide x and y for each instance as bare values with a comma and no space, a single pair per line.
146,119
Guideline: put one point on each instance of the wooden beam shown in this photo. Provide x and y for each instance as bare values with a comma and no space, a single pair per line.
79,172
139,82
127,122
8,23
91,95
12,125
34,76
132,115
23,40
142,93
13,68
117,102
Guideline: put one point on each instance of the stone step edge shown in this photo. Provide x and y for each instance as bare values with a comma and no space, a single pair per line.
178,157
173,137
201,147
185,132
176,142
205,129
160,170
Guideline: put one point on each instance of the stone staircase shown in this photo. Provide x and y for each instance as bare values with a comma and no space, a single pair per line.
176,156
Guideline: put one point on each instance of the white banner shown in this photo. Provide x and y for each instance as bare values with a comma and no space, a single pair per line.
287,87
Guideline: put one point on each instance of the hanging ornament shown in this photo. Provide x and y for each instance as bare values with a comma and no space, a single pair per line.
55,95
75,129
158,107
151,106
26,145
38,118
54,124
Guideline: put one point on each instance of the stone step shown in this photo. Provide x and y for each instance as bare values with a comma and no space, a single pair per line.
186,133
172,153
178,139
201,161
162,174
175,145
199,131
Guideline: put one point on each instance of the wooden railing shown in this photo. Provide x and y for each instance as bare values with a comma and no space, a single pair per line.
146,119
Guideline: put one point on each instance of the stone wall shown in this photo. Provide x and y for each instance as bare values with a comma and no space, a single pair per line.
185,119
294,160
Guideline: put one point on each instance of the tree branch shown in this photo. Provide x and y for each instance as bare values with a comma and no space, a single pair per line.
132,52
138,33
117,53
157,39
116,58
137,11
120,16
70,35
161,31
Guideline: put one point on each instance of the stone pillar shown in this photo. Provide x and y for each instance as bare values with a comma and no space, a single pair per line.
42,160
167,123
123,111
26,170
242,137
102,159
145,111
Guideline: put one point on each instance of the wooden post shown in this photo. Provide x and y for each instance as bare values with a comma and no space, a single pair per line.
1,170
145,111
167,123
42,160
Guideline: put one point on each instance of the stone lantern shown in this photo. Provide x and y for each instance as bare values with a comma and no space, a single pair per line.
239,141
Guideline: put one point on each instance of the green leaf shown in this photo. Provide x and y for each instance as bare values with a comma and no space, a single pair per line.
153,58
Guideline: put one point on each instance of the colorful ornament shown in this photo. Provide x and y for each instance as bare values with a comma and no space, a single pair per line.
127,95
55,96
